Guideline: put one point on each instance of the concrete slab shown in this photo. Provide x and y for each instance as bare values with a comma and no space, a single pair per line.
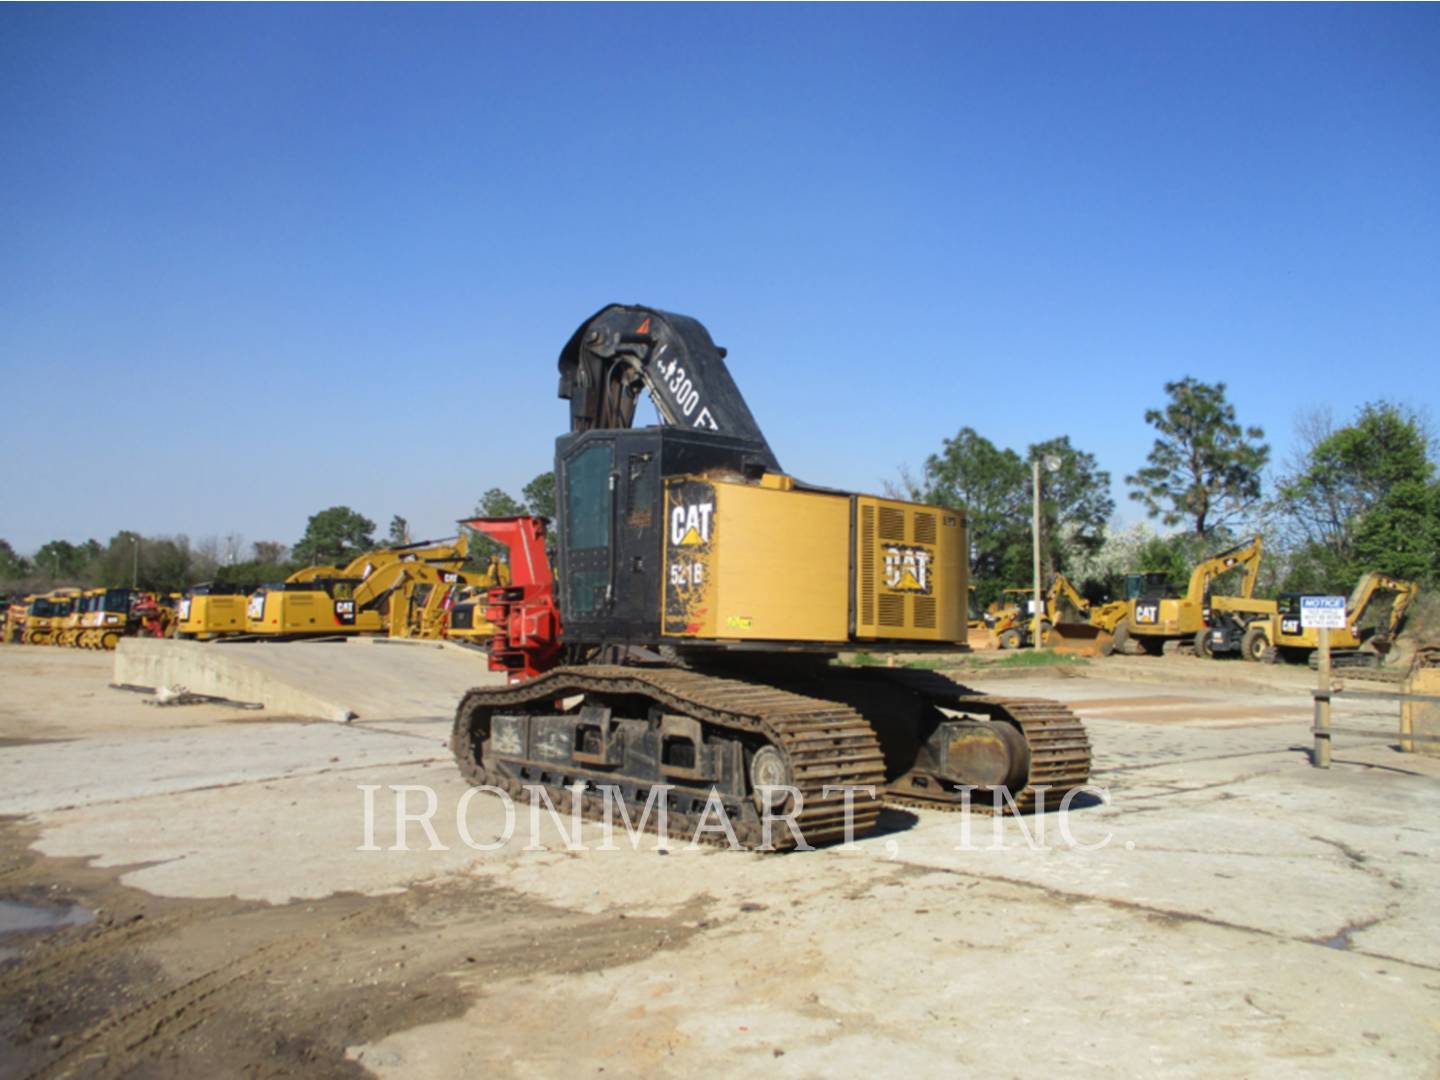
364,678
1245,915
44,777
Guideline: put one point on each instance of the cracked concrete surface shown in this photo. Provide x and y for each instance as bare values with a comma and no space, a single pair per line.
1227,910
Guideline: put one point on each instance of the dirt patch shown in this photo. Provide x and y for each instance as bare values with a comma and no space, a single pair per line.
1254,713
1134,702
164,987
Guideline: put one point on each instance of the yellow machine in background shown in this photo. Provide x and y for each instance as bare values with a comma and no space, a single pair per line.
212,610
1015,628
46,615
1156,615
421,604
1267,630
15,615
353,602
467,622
67,629
109,617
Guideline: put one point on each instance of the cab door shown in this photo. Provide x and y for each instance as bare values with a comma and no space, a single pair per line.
587,523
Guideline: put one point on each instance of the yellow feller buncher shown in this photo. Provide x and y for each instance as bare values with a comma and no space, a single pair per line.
680,661
1270,630
1159,619
353,602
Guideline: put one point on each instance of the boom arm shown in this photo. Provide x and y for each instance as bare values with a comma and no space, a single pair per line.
622,350
1365,592
1061,589
1246,554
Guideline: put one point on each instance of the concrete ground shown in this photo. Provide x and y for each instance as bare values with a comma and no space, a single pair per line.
1227,910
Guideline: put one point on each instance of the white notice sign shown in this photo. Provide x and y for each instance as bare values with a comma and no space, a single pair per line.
1318,612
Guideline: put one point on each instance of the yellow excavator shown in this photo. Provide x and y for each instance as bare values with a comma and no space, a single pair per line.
213,609
355,601
426,600
1270,630
1159,619
1014,627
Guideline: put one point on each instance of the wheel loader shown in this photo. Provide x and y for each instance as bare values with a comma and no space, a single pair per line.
683,655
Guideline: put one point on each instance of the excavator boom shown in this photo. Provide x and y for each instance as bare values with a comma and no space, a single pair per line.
1247,555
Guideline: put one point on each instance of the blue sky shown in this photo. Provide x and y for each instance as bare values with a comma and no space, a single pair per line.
259,261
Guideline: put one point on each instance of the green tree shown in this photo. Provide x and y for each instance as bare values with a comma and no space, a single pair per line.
991,486
334,536
494,503
1173,556
1359,498
399,531
270,552
64,561
1075,504
12,566
540,496
1400,534
1204,468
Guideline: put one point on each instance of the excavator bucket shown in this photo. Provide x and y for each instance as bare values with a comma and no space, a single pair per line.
1080,639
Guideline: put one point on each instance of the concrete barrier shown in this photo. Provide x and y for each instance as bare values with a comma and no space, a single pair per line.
363,678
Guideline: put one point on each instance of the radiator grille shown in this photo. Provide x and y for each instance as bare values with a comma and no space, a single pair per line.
867,565
892,523
892,610
924,528
925,612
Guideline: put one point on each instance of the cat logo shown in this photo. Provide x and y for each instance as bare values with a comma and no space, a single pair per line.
907,569
1147,613
690,525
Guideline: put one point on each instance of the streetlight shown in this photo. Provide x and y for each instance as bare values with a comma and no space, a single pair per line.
1052,464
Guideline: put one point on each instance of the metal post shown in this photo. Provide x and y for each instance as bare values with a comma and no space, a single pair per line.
1321,757
135,566
1035,533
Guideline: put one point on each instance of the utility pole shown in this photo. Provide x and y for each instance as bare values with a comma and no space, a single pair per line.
1035,546
1052,463
135,564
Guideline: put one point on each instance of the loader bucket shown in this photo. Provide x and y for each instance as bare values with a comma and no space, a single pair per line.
1080,639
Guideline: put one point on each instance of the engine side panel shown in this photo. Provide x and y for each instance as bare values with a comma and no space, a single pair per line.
744,562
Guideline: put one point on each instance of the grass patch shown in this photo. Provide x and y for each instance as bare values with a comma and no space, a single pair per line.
1032,658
